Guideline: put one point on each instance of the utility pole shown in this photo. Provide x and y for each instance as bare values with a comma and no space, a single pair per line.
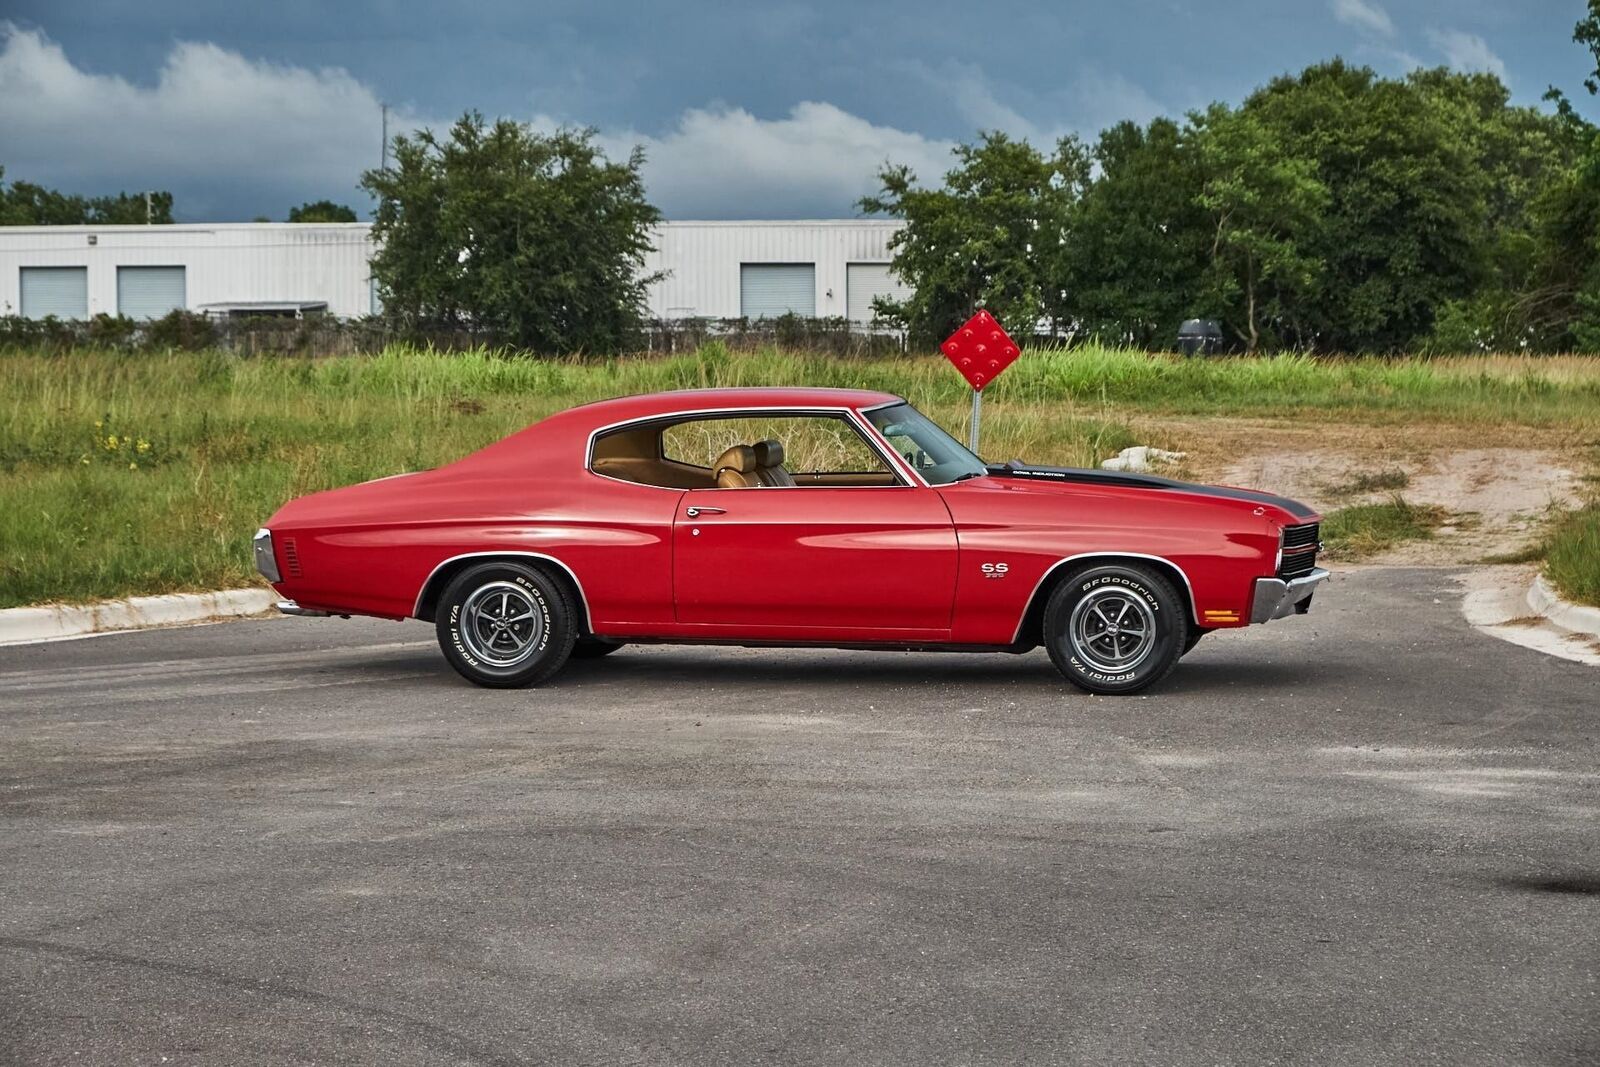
147,210
384,165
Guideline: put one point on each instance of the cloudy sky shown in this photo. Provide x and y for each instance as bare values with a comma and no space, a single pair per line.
779,110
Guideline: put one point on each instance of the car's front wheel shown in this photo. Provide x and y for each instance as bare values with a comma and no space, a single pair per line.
505,625
1115,628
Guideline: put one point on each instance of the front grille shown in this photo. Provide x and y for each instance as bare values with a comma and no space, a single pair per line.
1299,551
291,558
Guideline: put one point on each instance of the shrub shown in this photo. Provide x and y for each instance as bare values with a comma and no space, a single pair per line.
110,331
187,331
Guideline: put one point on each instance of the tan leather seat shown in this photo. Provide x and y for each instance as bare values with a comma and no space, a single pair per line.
769,464
736,468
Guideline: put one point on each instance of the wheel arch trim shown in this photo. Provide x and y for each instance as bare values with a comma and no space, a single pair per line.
1033,595
510,554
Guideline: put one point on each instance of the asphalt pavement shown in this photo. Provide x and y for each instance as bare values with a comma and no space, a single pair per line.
1370,835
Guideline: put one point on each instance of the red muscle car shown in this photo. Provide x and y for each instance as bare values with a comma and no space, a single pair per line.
823,517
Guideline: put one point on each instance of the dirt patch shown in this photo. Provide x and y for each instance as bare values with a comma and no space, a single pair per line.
1213,443
1498,498
1497,481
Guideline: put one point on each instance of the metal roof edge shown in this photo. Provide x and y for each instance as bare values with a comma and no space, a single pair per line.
307,227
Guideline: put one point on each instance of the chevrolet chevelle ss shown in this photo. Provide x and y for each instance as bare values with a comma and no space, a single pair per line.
788,517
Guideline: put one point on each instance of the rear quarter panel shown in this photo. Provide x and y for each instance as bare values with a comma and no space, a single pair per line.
369,549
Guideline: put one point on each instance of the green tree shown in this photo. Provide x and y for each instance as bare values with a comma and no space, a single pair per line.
1587,33
1264,211
27,204
321,211
1567,283
131,209
1406,222
1561,301
986,238
1526,154
1134,247
538,239
1332,210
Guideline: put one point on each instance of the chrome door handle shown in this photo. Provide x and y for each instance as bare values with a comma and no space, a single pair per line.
697,511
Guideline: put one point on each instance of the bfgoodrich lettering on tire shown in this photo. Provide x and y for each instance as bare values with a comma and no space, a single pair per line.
505,625
1115,628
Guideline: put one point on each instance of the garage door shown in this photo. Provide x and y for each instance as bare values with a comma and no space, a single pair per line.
59,291
863,283
768,290
149,292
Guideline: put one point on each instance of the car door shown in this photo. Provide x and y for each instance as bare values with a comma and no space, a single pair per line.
841,548
842,561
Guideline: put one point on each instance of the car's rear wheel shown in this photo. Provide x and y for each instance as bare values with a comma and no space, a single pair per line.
591,647
1115,628
505,625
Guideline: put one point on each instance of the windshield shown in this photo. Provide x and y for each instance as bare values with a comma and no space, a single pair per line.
935,455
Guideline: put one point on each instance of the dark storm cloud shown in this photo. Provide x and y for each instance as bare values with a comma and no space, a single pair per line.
776,110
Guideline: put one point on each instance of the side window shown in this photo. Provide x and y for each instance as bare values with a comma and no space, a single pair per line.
748,452
812,448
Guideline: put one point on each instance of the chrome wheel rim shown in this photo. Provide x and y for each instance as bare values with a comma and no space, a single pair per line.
1112,630
500,624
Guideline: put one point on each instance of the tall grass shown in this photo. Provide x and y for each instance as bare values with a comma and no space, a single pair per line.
124,474
1572,557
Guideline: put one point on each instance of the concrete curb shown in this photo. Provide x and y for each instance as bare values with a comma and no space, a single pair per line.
1573,618
1497,601
55,622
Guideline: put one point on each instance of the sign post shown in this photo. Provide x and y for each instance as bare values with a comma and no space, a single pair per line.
977,417
980,350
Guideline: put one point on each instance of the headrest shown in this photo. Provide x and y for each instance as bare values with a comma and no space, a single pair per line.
769,453
741,458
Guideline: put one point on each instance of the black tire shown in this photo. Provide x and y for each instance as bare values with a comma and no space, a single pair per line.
590,647
530,648
1115,628
1195,634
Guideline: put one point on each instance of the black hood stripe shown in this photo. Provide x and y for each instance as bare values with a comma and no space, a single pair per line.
1084,475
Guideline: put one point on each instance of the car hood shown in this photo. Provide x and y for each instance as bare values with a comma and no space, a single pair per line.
1290,512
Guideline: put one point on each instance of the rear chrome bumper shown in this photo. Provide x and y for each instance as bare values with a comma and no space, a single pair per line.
1277,599
289,607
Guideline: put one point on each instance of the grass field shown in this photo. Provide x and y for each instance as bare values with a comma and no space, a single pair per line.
123,474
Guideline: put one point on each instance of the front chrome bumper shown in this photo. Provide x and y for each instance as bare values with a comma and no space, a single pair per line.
1277,599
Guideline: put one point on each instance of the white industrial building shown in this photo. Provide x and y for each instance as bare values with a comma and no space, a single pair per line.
710,269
